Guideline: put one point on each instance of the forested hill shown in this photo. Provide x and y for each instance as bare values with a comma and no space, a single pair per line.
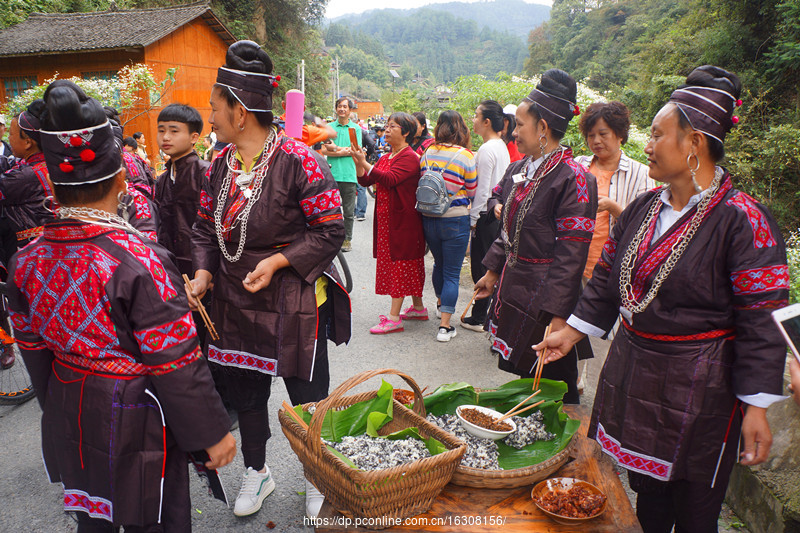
435,44
513,16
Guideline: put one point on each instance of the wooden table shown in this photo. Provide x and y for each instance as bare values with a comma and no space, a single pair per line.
512,509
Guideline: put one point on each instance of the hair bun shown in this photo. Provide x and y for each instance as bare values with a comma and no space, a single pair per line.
249,57
558,83
67,107
716,78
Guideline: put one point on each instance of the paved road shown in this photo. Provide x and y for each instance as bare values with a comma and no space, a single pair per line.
31,503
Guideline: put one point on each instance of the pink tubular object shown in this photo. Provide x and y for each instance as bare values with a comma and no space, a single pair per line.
295,106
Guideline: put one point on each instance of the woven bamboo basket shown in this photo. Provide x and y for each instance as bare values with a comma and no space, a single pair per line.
400,492
518,477
508,479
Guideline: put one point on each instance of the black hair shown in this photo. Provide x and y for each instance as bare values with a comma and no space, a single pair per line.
308,117
130,141
112,114
615,114
493,111
35,108
407,123
558,83
420,116
345,99
138,135
183,113
716,78
249,57
67,107
510,124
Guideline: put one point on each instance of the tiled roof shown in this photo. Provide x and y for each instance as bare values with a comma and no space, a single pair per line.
48,33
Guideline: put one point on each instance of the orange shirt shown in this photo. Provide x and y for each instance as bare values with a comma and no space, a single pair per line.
601,226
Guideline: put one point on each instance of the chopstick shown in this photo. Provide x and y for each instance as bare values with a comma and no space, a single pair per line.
297,418
472,301
518,405
540,361
528,408
202,309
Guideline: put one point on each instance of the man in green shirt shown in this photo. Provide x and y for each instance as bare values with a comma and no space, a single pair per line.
342,166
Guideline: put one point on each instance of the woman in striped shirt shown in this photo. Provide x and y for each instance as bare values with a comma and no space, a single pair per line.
448,235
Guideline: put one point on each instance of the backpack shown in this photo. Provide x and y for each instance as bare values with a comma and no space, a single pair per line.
432,196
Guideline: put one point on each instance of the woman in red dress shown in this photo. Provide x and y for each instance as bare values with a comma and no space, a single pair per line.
398,240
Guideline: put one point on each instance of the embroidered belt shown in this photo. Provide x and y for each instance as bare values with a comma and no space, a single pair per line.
534,260
31,233
705,335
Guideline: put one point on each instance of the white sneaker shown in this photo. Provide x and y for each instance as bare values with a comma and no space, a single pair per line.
255,488
445,334
314,500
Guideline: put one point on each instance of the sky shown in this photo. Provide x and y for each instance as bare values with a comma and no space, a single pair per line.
337,8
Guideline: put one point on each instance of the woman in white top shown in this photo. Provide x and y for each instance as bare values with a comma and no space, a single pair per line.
491,161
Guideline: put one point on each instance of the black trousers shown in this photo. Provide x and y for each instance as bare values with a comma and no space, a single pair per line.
486,229
691,507
254,423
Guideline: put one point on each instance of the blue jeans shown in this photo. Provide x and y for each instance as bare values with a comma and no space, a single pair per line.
361,202
447,239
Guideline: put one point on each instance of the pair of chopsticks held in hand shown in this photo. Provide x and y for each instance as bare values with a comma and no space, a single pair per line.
202,309
537,376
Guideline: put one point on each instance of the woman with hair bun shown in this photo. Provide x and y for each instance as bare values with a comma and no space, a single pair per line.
549,204
694,269
108,339
268,228
491,162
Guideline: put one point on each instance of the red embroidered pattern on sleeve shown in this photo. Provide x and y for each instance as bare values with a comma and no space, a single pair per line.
310,165
166,336
575,224
580,180
610,250
206,207
324,201
758,280
327,218
762,234
146,256
140,202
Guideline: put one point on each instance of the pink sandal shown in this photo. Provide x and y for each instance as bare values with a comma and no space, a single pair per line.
412,314
386,326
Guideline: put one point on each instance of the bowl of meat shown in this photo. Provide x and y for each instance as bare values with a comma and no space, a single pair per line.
568,500
483,422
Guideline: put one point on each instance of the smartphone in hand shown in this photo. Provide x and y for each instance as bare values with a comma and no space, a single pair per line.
788,321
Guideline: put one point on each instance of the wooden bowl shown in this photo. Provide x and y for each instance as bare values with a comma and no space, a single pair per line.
563,484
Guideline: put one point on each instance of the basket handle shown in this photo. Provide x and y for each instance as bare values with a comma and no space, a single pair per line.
313,435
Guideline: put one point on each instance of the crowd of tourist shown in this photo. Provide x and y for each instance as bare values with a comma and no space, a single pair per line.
111,271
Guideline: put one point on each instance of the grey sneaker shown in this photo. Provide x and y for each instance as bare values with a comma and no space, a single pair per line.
346,246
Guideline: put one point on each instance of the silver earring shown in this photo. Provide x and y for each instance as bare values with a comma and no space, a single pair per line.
241,127
49,203
124,201
542,143
693,170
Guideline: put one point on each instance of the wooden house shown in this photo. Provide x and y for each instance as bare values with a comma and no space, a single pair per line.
96,45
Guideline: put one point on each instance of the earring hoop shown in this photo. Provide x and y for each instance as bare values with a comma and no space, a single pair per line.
693,170
542,144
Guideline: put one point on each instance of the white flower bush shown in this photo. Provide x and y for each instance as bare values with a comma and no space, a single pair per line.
133,90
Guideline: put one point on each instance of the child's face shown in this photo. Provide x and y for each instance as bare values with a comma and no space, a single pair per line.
174,138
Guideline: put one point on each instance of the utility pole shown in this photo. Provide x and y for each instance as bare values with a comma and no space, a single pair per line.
301,75
335,80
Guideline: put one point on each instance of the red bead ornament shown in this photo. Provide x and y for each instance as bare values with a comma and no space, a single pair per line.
576,111
278,77
75,141
66,167
274,83
87,155
739,103
735,119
